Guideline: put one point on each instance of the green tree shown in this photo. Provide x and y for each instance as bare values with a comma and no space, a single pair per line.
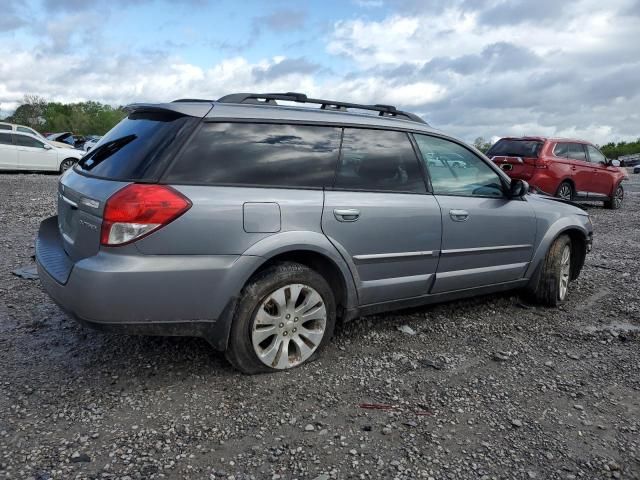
481,144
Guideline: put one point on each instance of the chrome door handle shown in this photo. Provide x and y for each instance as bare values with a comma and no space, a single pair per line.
459,215
346,214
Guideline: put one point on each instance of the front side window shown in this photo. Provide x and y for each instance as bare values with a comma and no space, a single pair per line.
24,141
259,154
454,170
576,152
5,139
595,156
378,160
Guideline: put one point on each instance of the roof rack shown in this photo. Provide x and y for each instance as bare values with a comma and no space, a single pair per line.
270,99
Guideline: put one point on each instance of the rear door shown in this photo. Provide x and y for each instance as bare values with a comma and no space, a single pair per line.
602,183
486,237
582,170
8,152
381,218
32,154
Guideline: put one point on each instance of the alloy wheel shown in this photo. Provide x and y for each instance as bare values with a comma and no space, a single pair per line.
618,197
289,326
565,270
565,191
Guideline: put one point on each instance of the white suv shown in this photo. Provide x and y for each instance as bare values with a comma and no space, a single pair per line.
23,129
22,151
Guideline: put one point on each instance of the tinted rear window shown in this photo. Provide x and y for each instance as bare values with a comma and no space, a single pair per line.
515,148
259,155
378,160
138,148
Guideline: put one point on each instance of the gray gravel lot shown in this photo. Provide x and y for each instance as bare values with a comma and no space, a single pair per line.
486,388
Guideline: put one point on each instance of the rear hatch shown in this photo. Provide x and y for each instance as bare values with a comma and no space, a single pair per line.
137,150
516,157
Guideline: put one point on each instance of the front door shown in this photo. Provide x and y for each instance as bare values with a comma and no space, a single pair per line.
381,218
8,152
32,154
487,238
602,184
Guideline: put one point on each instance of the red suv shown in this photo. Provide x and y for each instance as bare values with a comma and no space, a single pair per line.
569,169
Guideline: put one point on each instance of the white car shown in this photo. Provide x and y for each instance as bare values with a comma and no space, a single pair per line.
21,128
23,151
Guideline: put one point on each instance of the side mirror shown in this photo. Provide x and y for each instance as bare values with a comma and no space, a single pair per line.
615,163
47,146
518,188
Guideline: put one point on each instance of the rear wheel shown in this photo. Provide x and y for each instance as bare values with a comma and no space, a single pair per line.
66,165
552,287
565,191
285,315
615,202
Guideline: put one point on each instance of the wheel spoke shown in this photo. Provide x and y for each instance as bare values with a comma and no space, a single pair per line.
265,318
268,355
303,348
314,336
318,311
311,300
279,299
261,334
283,354
294,294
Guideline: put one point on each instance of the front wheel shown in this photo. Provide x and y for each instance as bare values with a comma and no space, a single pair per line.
284,316
552,287
615,202
66,165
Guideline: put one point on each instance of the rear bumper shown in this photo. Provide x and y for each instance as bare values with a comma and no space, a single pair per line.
144,294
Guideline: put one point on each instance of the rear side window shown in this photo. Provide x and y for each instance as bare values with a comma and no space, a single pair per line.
576,152
24,141
25,130
561,150
138,148
5,127
515,148
5,139
378,160
259,154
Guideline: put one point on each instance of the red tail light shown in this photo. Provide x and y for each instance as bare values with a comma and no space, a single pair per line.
137,210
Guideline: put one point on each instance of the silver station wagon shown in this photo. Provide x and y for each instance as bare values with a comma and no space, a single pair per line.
258,221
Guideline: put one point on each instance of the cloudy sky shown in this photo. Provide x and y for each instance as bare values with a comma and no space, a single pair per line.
471,68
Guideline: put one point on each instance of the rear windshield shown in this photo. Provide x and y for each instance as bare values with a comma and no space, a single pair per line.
515,148
138,148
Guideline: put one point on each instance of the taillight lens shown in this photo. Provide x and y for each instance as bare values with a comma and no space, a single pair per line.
137,210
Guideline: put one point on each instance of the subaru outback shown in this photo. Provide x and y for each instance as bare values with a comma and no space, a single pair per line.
258,224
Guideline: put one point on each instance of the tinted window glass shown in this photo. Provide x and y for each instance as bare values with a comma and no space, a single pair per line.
378,160
24,141
5,127
25,130
515,148
576,152
561,150
454,170
5,139
138,147
259,154
595,156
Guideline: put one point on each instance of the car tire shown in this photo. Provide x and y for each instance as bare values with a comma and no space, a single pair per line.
615,202
551,288
269,332
66,164
565,191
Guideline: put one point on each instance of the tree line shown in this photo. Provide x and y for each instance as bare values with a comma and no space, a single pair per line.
83,118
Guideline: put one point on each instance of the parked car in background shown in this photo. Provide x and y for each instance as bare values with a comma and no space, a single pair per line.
91,142
24,129
23,151
630,160
636,169
569,169
74,141
257,226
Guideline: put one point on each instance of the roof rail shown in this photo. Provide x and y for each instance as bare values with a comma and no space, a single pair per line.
270,99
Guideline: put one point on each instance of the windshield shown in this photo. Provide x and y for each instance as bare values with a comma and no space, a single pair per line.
515,148
137,148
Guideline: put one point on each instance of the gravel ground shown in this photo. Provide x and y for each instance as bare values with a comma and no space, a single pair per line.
485,388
